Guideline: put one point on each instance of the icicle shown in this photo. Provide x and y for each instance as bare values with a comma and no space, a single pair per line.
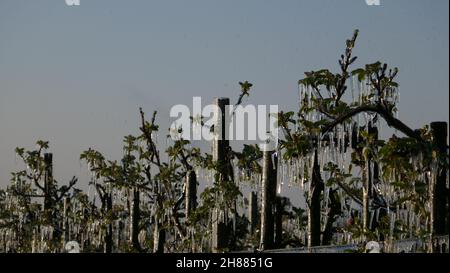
392,225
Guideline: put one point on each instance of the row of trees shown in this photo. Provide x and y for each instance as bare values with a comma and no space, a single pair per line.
149,200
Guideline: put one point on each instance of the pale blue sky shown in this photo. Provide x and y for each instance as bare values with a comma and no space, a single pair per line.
76,75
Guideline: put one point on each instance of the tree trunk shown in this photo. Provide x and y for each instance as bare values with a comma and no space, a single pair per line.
159,237
368,181
335,210
66,220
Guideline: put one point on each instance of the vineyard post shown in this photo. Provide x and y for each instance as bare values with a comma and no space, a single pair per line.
48,181
253,211
314,229
135,216
48,192
220,148
441,195
191,192
269,180
119,232
279,221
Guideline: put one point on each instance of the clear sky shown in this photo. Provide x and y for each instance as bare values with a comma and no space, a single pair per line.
76,75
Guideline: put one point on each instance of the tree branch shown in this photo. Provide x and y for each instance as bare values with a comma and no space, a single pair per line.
390,120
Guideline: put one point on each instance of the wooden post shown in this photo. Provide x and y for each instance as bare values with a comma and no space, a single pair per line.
220,148
314,206
221,142
119,232
269,183
253,211
191,192
109,232
135,216
49,196
279,221
48,181
440,192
